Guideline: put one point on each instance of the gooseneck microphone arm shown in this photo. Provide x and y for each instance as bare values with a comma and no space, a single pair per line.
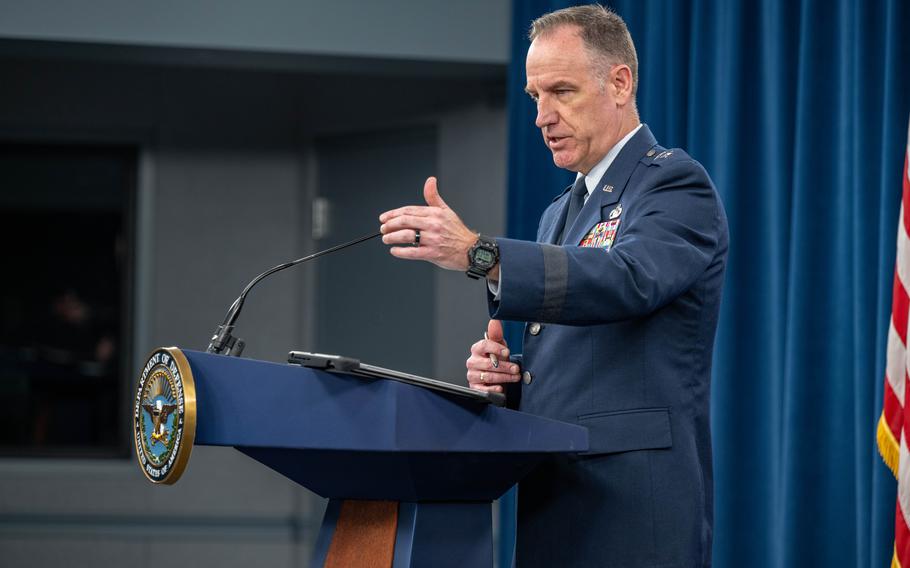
223,342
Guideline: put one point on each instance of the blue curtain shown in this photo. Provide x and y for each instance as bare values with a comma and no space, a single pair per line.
799,111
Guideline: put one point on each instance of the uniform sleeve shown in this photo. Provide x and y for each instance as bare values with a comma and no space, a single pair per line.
671,236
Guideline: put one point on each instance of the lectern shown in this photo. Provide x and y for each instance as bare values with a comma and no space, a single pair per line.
410,473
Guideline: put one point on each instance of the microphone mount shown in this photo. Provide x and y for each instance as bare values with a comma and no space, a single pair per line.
223,341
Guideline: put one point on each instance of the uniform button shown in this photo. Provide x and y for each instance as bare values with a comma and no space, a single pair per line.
651,153
534,328
527,377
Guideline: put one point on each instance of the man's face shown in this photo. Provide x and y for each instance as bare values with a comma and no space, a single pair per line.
579,120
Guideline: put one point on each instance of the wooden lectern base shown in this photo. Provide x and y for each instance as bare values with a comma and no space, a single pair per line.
389,534
364,535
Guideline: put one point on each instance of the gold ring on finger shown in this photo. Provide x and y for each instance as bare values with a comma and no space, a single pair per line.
483,377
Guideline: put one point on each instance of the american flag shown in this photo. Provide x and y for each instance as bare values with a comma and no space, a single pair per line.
893,426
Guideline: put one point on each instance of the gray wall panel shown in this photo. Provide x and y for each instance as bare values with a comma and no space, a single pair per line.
221,218
428,29
97,550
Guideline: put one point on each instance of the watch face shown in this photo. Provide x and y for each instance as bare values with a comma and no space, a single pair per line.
483,257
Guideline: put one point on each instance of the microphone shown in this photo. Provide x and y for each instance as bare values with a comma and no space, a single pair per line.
223,342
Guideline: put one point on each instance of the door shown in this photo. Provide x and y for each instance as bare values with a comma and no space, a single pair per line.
371,305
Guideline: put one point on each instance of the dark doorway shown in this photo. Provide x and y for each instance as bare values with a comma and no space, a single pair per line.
65,220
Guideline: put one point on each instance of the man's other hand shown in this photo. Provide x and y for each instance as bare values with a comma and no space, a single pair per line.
444,239
482,375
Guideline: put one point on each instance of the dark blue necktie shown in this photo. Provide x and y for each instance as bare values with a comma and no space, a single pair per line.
576,202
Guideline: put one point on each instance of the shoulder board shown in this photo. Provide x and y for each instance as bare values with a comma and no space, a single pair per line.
658,155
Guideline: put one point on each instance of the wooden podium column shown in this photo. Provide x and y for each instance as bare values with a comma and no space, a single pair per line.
392,534
364,535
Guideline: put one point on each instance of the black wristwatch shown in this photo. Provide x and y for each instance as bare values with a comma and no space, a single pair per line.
482,257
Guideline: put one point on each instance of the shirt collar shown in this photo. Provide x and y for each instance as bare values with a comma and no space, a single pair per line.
601,167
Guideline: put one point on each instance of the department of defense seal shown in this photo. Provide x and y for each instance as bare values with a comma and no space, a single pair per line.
164,415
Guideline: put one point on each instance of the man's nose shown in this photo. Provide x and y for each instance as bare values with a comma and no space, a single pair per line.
546,116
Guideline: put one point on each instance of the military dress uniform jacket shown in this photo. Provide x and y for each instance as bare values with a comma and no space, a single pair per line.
619,336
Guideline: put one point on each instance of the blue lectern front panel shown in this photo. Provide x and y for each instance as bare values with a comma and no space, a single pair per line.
350,437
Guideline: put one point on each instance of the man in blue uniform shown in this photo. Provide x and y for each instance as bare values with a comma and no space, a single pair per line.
620,293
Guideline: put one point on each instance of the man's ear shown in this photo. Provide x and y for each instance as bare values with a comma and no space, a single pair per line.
621,83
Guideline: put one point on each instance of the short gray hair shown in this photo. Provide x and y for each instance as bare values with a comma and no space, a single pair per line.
603,32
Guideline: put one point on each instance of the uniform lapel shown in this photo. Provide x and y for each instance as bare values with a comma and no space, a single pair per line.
554,227
611,185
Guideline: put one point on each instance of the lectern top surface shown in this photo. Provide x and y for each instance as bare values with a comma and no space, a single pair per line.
352,366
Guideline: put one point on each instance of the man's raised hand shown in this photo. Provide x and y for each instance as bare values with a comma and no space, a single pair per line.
444,238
